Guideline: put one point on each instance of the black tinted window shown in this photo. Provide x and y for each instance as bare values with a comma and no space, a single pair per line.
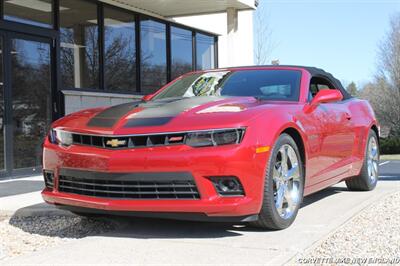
283,85
181,51
120,53
270,84
153,55
79,53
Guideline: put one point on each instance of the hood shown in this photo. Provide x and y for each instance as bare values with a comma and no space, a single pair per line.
166,115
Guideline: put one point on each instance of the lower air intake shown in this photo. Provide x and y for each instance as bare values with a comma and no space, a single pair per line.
128,186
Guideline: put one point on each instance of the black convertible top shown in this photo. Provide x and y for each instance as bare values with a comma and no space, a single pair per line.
318,72
315,72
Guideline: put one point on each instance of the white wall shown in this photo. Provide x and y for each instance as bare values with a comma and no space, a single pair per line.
237,53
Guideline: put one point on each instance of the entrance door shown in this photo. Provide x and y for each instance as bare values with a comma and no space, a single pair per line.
26,101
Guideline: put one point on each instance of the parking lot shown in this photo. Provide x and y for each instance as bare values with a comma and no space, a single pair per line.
155,241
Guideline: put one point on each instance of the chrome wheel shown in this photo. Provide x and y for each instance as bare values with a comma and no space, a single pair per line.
372,160
286,177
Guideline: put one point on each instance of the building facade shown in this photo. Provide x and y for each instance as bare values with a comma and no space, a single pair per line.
61,56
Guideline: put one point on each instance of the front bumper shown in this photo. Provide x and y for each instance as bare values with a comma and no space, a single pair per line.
240,161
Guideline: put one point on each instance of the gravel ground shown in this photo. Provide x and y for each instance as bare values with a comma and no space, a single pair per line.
371,237
21,235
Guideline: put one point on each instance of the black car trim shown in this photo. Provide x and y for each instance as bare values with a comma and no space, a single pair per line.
139,176
187,216
158,133
129,186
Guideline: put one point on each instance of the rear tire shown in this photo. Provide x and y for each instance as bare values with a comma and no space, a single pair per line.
368,177
283,186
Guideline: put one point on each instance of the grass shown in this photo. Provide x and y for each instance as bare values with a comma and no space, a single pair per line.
390,157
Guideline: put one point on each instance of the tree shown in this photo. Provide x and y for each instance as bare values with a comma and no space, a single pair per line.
384,92
389,55
263,45
385,103
352,89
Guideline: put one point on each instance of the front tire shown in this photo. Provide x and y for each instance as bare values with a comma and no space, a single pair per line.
368,177
283,186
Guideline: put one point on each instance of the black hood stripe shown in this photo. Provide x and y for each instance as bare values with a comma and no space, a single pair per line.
161,108
110,116
154,113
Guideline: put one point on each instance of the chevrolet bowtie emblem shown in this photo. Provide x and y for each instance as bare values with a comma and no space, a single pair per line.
115,143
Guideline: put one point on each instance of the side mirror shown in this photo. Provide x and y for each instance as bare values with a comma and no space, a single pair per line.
147,97
326,96
323,96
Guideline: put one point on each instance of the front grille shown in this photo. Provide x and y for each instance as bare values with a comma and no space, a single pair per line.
129,189
138,141
48,179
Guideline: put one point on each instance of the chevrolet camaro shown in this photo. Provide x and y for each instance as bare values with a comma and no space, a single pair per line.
241,144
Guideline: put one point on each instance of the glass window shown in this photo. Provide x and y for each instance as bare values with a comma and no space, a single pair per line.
79,44
181,51
279,85
120,52
31,100
153,55
205,51
33,12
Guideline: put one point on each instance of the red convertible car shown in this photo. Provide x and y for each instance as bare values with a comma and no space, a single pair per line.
239,144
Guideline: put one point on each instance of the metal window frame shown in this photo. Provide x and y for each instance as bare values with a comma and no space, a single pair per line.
168,50
216,51
101,44
138,52
194,49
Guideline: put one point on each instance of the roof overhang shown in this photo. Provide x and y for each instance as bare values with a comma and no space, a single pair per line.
176,8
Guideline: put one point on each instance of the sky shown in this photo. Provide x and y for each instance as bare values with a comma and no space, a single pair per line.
340,36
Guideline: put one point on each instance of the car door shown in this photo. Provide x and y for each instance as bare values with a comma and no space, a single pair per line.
333,136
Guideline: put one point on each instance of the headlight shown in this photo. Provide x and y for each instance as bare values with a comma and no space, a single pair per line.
57,136
214,137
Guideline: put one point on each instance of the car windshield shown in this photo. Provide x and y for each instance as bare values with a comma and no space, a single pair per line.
278,85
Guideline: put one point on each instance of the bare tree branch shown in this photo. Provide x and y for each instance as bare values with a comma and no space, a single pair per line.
264,44
384,92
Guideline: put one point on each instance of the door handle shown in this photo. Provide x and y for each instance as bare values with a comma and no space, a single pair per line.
348,116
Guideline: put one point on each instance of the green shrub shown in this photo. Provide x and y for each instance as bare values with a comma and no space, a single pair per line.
390,146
